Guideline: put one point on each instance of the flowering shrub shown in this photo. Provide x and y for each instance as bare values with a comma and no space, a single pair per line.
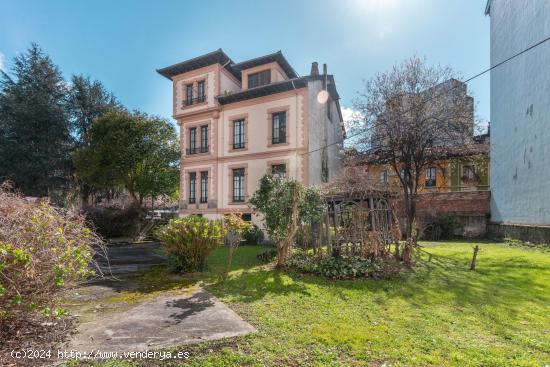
43,251
190,240
343,267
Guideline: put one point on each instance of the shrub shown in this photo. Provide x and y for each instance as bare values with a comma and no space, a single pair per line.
344,267
254,236
43,251
442,227
114,222
267,256
284,204
190,240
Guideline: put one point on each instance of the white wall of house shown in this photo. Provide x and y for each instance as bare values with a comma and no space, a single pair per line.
520,112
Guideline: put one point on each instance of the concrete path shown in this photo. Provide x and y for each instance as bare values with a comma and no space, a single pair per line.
159,323
170,319
129,258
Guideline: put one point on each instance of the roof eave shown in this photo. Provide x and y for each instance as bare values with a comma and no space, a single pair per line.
488,7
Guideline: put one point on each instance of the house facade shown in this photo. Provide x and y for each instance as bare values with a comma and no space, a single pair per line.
240,121
520,116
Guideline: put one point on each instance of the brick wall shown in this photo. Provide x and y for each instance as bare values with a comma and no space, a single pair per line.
472,208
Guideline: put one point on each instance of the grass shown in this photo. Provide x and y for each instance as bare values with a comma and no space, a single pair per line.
438,314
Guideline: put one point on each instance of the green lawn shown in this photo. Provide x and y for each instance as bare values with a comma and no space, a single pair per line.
439,314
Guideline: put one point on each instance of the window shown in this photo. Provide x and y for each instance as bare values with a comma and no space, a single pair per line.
278,170
430,177
238,185
469,172
192,140
204,187
200,92
278,128
189,94
258,79
247,217
384,177
192,187
204,139
329,110
238,134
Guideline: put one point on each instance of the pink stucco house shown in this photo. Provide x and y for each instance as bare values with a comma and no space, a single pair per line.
239,121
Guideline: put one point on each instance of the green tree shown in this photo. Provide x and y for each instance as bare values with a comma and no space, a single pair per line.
130,150
35,139
285,204
87,100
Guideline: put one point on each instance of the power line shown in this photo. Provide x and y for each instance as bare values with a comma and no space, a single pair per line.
455,86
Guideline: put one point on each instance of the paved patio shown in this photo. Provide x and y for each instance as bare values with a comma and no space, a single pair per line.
170,319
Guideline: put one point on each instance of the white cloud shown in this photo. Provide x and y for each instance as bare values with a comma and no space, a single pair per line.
350,117
2,61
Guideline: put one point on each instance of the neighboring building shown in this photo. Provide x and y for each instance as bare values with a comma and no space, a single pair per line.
520,116
461,168
239,121
458,182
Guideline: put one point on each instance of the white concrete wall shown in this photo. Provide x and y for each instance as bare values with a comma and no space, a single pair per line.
520,112
322,132
228,85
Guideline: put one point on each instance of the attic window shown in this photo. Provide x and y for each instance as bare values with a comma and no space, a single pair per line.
259,79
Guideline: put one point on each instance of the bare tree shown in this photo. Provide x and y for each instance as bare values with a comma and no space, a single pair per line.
408,116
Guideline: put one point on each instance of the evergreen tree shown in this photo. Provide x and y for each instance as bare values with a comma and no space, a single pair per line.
35,139
88,99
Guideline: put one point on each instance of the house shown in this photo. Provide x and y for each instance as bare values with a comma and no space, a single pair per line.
520,116
240,121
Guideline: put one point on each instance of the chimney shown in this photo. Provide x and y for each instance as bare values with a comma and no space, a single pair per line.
314,69
324,69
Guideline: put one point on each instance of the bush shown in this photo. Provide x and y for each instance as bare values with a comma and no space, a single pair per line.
43,251
442,227
254,236
114,222
190,240
267,256
344,267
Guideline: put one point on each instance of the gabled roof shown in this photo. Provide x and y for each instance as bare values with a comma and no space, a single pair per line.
220,57
215,57
262,60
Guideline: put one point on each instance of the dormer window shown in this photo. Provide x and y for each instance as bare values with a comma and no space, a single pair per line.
259,79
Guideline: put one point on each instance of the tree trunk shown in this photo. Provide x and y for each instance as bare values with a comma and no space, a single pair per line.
411,233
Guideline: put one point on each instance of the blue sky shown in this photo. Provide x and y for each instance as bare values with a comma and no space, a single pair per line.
123,42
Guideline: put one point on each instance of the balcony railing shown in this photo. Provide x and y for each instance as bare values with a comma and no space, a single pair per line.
196,150
196,100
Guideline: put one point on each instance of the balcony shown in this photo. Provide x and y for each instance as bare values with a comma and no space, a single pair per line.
197,100
196,150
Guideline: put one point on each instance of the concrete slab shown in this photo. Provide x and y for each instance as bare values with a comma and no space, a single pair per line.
165,321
